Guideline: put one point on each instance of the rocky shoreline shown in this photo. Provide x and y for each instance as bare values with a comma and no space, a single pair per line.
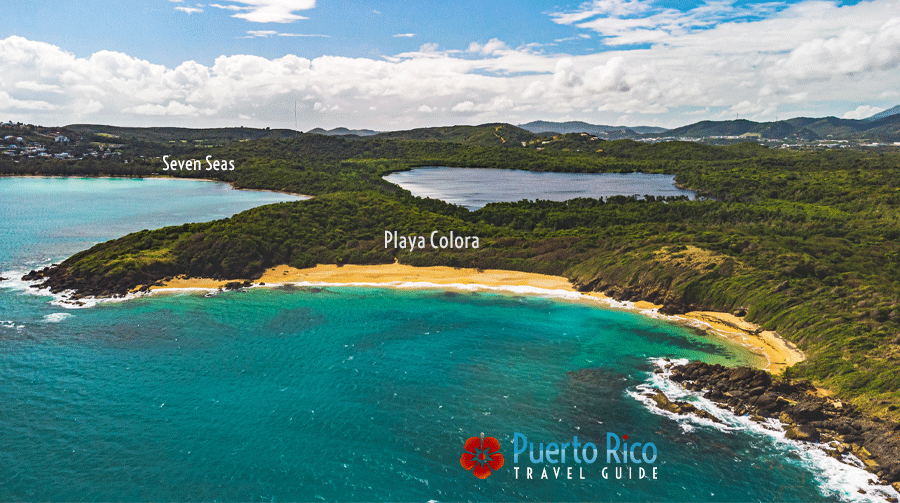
838,427
59,278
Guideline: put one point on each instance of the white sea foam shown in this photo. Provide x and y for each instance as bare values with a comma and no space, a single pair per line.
835,478
64,299
56,317
11,325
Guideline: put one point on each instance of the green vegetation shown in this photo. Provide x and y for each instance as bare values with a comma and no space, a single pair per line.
212,136
806,243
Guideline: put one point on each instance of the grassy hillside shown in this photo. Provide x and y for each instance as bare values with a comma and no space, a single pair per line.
486,134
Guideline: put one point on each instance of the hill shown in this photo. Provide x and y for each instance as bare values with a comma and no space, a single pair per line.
215,136
485,134
887,113
798,128
774,130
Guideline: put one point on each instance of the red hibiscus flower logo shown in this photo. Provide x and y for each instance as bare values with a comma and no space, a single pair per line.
483,455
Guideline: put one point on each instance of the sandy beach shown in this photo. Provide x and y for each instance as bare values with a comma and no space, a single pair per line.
778,353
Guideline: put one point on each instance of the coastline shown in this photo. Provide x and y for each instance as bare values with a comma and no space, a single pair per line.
777,352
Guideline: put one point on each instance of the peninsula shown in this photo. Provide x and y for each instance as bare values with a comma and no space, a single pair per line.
801,243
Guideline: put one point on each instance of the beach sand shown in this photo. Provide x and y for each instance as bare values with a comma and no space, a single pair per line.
778,353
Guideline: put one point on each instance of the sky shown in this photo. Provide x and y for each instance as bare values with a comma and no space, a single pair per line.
390,65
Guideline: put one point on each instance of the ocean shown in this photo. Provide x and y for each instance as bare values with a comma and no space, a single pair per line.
345,393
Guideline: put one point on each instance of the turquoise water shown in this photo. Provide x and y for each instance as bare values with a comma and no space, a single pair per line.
348,394
46,219
476,187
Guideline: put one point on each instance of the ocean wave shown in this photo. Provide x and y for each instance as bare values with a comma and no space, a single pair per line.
842,479
63,299
56,317
11,325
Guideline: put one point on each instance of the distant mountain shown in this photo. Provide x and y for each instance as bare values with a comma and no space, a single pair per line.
881,115
798,128
886,128
648,129
341,131
833,127
606,132
774,130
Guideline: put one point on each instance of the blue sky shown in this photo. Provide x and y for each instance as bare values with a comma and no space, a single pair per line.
390,65
154,30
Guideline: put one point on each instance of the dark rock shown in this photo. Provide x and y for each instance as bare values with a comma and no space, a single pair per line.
765,400
802,432
757,391
237,285
806,412
681,408
741,374
806,416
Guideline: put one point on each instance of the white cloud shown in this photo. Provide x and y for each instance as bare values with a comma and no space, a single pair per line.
173,108
303,35
628,22
189,10
862,112
810,56
8,103
273,33
30,85
225,7
853,51
465,106
614,8
492,46
262,33
268,11
428,48
406,35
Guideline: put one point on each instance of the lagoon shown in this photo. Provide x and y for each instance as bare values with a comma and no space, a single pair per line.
474,188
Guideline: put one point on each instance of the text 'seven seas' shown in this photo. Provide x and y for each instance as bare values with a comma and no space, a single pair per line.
197,165
437,240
